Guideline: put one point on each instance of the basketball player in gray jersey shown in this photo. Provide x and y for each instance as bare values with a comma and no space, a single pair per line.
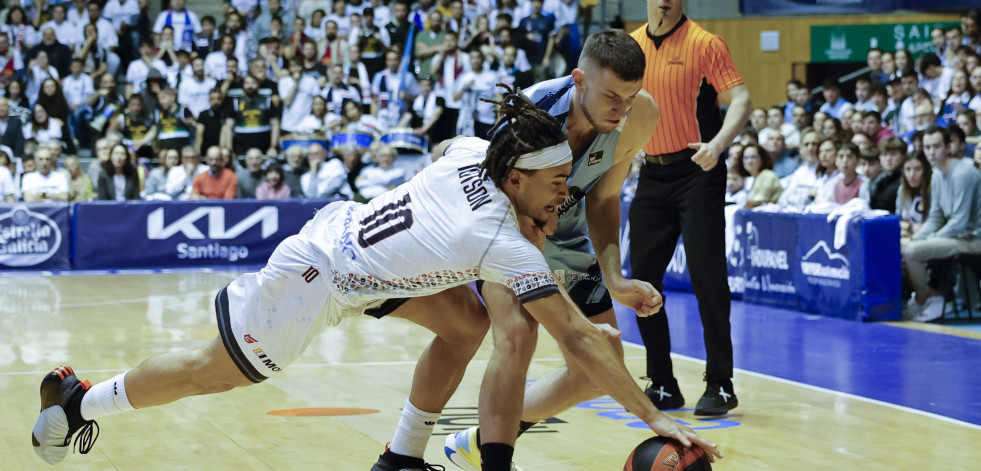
608,118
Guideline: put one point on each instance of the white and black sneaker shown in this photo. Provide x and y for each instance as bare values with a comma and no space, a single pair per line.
719,398
61,417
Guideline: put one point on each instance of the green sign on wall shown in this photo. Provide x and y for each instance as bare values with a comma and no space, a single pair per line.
850,43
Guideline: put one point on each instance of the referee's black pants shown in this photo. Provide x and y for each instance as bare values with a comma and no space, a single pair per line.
674,199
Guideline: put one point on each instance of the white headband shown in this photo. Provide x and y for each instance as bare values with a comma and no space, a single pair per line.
546,158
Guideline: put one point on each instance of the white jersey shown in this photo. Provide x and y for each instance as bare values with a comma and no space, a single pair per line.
443,228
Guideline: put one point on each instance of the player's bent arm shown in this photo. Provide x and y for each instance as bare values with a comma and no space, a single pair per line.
594,353
603,200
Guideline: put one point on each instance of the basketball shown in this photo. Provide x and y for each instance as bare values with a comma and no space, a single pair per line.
666,454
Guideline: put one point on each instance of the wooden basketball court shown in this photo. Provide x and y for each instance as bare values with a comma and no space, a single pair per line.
327,418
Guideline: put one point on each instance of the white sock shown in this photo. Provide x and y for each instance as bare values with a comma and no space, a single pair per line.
412,434
106,398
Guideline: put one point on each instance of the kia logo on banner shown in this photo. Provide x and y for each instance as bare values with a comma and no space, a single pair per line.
27,238
266,216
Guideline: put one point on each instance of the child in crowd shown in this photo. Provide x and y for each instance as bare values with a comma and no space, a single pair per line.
273,188
850,182
736,193
913,199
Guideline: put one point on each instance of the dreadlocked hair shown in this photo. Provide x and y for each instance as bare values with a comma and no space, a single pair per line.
521,127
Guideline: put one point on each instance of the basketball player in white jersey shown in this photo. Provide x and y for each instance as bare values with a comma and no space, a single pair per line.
609,118
351,259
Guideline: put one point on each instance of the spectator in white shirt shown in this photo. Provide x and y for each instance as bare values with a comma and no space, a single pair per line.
863,92
77,87
236,27
107,36
7,189
139,70
297,91
124,15
356,74
185,23
216,64
66,31
307,7
44,184
37,72
193,92
78,13
383,14
180,178
337,91
934,77
472,89
339,16
325,177
23,36
381,177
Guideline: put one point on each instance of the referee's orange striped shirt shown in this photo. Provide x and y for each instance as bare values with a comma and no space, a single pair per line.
673,76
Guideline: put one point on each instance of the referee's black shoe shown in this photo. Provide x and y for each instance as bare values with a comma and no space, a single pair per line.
719,398
665,396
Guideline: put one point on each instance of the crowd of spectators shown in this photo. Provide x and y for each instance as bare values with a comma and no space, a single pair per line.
147,99
263,92
905,141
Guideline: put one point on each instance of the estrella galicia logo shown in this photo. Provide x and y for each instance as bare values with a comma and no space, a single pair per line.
823,266
594,158
27,238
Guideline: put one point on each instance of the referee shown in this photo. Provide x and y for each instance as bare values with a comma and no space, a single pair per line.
681,191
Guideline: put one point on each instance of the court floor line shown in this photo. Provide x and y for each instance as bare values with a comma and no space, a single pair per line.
826,390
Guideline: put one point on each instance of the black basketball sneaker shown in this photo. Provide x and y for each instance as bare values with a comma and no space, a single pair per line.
719,398
665,396
61,417
389,461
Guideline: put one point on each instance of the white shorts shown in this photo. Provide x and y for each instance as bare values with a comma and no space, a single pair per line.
267,319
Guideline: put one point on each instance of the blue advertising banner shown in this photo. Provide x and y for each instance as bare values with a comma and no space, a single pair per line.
34,236
810,7
185,233
769,244
735,252
829,278
625,239
676,276
882,287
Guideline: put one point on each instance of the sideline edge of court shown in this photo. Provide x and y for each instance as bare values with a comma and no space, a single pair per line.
826,390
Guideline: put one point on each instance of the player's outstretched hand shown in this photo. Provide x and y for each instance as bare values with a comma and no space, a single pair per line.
637,295
665,426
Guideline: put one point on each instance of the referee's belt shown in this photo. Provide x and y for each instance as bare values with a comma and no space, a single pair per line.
668,159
